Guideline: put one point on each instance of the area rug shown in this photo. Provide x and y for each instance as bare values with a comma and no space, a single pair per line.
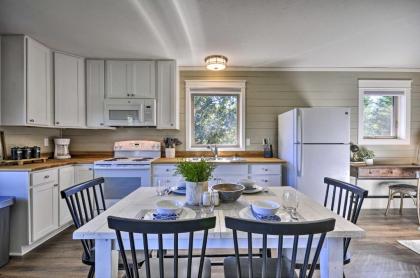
413,245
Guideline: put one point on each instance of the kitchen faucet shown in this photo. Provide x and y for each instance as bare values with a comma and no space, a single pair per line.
214,150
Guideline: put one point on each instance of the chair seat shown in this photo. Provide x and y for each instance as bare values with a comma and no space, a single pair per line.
182,268
404,187
231,272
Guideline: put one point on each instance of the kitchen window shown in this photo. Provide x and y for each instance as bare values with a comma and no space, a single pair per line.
384,112
215,114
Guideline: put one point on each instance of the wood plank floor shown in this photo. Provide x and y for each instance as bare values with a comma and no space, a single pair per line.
377,255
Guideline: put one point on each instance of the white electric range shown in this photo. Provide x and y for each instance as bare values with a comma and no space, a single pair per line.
128,170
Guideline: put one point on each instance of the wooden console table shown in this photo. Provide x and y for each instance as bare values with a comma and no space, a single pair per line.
383,172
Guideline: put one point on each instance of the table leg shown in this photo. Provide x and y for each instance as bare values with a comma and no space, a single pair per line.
105,259
331,262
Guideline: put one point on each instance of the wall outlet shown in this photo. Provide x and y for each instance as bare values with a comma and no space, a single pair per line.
46,142
248,141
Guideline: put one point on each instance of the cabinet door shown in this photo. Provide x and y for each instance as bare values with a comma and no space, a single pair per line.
66,180
44,208
83,173
167,95
69,91
38,87
142,83
95,92
117,79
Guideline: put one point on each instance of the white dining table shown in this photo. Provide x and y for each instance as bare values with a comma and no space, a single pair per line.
144,198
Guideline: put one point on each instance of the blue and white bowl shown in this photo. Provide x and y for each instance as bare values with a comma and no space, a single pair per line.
265,207
168,207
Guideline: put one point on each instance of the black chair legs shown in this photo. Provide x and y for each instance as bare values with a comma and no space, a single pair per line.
91,273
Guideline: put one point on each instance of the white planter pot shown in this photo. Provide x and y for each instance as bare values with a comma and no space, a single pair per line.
194,191
369,161
170,152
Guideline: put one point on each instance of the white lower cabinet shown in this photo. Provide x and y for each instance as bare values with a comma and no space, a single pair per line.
262,174
83,173
44,205
66,180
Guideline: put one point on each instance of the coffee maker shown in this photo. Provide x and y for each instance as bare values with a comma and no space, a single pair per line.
61,148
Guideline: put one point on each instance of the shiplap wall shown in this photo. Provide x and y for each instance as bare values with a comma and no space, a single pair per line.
268,93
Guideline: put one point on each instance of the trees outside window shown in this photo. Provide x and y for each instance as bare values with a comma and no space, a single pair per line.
215,114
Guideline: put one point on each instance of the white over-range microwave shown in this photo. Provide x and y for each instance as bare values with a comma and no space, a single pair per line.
130,112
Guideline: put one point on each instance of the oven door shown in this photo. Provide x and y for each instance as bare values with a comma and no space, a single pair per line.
121,182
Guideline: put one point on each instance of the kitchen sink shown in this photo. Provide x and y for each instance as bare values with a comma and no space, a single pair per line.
218,159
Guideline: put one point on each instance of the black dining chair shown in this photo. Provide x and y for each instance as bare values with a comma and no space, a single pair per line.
346,200
86,201
163,267
280,267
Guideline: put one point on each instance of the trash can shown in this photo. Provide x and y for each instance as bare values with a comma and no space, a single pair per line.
5,203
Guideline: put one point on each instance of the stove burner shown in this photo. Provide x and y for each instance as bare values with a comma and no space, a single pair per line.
116,159
142,159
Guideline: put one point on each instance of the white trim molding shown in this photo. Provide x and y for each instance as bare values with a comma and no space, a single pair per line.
397,88
236,87
315,69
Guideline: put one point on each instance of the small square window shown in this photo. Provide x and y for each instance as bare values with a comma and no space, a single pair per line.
215,114
384,112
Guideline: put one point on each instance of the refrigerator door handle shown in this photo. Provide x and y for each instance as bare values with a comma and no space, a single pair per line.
299,142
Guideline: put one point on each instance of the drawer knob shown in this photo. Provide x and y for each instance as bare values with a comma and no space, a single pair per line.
265,169
55,185
167,170
46,176
265,180
32,120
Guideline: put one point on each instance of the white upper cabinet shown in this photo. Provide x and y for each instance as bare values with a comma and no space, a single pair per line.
26,82
167,95
95,93
143,82
69,89
117,79
38,87
130,79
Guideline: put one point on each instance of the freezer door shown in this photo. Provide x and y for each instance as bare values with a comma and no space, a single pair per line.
319,161
324,125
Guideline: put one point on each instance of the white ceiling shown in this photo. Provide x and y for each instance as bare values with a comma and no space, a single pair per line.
251,33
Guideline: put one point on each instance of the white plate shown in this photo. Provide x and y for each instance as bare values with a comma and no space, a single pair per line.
186,213
246,213
256,189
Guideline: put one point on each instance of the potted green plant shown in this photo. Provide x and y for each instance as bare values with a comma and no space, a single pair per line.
196,175
170,144
365,155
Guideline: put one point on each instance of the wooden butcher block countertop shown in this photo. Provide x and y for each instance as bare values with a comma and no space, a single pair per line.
51,163
165,160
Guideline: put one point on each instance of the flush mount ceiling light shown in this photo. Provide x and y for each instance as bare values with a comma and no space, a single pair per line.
215,62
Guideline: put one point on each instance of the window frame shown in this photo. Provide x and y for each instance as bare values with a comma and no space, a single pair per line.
204,87
402,110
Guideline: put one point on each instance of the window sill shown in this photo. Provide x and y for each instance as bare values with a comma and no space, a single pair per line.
400,141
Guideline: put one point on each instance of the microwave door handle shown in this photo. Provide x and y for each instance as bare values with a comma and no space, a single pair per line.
141,113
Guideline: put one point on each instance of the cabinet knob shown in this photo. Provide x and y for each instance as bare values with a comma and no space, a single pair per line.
133,95
55,185
128,95
265,180
57,123
265,169
101,124
167,170
46,176
31,120
172,124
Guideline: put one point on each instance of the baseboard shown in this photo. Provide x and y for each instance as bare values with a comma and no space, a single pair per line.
27,248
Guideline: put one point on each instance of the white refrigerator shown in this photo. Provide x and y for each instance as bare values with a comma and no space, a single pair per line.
315,142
